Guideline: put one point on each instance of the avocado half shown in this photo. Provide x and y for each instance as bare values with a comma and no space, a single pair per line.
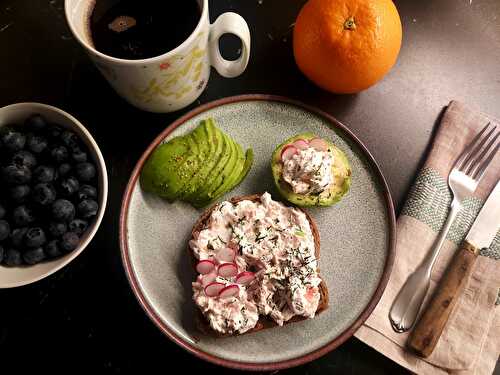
198,167
341,171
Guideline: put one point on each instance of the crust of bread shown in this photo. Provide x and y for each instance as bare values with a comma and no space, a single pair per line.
263,322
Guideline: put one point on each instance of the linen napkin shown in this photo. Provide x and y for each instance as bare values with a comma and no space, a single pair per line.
470,343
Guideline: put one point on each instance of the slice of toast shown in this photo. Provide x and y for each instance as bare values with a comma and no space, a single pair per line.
264,322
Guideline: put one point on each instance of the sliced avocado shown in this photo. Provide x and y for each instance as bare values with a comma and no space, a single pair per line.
197,167
188,169
215,176
166,172
207,145
227,173
156,176
246,168
232,178
340,185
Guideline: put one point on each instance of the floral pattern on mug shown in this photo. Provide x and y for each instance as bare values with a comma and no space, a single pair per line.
178,78
164,66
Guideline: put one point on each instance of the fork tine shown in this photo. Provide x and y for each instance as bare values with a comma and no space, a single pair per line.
473,168
475,149
466,152
478,175
479,158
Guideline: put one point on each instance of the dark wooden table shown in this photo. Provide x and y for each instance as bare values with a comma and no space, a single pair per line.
85,317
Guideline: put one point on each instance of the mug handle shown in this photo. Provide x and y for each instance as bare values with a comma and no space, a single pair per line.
229,23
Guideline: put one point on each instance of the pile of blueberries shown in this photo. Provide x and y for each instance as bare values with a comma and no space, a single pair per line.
48,193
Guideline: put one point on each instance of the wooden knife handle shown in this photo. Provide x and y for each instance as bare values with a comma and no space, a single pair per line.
426,333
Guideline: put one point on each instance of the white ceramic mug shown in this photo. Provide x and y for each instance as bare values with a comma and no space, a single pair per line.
175,79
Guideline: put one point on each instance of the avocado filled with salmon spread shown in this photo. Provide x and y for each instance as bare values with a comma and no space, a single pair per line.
198,167
311,171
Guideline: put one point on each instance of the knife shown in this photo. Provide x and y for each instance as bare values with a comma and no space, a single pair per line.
433,320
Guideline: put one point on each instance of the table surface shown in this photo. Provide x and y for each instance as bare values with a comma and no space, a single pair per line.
86,316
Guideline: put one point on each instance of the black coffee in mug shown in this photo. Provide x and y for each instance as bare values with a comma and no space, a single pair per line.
140,29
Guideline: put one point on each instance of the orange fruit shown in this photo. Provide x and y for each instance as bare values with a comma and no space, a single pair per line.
346,46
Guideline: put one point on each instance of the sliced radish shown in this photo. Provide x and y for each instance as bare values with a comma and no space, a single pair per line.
213,289
225,254
208,278
319,144
227,270
310,293
288,152
301,144
205,266
229,291
245,278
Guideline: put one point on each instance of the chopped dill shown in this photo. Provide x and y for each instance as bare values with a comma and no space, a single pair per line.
300,233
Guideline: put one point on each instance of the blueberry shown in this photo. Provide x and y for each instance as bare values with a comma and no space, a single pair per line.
52,249
34,256
78,226
13,258
4,230
25,158
19,193
17,237
63,210
88,208
44,194
57,228
2,253
64,169
22,216
59,154
87,192
2,211
34,237
69,139
69,242
44,173
35,122
13,141
69,186
54,132
36,143
85,171
79,156
16,174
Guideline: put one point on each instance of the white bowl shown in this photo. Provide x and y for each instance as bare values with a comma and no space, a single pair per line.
16,114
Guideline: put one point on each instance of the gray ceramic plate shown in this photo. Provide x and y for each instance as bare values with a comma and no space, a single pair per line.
357,238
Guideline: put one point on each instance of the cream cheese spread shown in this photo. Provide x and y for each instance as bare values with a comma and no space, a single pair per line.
270,240
309,171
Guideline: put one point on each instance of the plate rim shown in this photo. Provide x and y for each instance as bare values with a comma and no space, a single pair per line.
242,365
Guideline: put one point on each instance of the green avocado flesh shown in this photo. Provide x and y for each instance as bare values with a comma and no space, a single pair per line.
197,168
207,143
218,173
341,171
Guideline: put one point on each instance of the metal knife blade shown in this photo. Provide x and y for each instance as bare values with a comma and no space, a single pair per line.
487,223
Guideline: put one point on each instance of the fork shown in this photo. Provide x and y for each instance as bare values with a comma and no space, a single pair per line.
465,175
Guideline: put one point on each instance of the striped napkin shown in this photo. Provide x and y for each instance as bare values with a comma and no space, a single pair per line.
470,343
